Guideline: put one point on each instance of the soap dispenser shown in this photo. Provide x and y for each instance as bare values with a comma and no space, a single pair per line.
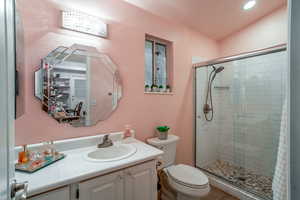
127,132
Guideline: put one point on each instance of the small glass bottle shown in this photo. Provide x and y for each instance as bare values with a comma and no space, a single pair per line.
48,151
23,155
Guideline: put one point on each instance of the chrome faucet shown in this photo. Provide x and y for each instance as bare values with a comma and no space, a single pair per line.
106,142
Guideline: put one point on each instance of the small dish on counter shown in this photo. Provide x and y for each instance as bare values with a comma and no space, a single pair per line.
33,166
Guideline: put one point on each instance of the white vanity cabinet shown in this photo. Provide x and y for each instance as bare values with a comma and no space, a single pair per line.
107,187
135,183
58,194
141,182
138,182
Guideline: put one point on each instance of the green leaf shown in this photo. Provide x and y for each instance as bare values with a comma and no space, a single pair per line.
162,128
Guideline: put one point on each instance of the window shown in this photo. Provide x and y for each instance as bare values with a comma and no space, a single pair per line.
156,63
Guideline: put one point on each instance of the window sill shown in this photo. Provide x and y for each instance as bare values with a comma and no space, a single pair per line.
160,93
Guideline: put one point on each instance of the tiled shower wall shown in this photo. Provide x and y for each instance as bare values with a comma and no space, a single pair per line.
248,96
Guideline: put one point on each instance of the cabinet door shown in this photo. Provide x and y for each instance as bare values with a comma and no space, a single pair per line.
59,194
141,182
107,187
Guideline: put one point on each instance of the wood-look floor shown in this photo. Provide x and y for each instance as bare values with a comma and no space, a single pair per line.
216,194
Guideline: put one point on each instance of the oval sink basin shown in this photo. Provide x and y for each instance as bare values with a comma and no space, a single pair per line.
112,153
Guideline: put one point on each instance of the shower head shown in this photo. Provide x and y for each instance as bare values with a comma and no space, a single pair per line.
219,69
216,70
208,106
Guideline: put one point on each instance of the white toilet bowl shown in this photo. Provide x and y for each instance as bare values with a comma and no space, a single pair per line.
189,182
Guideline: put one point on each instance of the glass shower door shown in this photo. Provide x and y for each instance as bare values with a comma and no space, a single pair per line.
240,144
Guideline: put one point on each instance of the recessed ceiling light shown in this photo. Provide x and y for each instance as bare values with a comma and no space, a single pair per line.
249,4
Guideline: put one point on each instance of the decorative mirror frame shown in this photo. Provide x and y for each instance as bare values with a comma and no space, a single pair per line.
46,86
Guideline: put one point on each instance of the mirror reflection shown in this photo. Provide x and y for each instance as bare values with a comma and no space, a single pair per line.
68,85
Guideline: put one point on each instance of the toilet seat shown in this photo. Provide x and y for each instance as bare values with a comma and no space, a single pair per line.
188,180
188,176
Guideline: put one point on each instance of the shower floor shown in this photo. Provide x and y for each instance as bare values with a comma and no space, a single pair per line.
257,184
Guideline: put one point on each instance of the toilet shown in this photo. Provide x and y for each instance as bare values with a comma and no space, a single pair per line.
189,182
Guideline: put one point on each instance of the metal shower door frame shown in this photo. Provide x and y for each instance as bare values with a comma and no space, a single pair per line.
266,51
7,97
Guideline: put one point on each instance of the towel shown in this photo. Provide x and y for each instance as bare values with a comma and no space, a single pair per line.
280,184
166,192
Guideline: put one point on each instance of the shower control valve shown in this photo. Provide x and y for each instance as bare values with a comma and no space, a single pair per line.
206,109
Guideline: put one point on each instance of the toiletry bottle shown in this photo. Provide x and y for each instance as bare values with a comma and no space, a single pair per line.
132,133
23,155
48,152
52,148
127,132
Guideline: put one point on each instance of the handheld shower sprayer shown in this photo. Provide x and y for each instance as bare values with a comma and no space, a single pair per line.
208,106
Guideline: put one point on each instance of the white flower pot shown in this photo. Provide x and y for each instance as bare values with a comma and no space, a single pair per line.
162,135
155,89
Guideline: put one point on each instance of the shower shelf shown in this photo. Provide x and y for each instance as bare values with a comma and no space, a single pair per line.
222,87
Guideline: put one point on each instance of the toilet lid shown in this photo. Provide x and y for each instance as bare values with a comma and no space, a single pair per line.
188,175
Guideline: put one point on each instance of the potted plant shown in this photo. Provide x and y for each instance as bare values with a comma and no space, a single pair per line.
168,88
154,88
162,132
147,88
161,88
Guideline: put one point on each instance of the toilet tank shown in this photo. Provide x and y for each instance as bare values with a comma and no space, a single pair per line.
168,146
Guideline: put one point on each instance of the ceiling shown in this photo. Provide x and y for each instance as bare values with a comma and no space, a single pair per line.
214,18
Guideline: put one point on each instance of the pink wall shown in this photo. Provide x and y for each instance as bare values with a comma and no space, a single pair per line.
128,26
269,31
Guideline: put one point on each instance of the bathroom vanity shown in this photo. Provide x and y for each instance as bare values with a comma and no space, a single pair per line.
136,182
78,177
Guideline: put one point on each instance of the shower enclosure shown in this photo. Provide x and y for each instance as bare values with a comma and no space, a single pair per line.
239,145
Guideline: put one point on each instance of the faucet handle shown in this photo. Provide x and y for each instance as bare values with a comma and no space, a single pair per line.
105,137
106,142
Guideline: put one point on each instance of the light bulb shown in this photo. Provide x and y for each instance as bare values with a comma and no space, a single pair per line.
249,4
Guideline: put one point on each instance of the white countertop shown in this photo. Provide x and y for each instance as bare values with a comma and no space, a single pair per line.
75,168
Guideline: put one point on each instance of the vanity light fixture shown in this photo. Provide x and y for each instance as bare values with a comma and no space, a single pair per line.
81,22
249,4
